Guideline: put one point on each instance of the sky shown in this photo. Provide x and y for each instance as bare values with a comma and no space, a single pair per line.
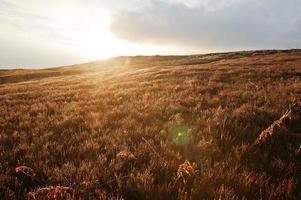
37,34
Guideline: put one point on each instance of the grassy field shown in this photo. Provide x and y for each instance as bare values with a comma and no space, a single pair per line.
161,127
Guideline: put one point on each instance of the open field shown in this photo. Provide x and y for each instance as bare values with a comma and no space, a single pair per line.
161,127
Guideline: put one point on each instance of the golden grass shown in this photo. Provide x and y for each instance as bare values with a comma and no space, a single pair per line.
124,128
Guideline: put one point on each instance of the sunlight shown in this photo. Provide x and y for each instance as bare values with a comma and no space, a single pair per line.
97,42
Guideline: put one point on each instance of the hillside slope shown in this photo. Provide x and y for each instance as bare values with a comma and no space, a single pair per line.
160,127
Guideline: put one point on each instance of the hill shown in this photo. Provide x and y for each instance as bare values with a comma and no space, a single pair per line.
152,127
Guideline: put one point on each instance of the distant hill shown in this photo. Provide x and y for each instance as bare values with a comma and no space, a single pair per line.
19,75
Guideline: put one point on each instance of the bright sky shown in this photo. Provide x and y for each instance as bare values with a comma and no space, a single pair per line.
35,33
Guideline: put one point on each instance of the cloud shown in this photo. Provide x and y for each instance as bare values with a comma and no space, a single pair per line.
53,21
223,25
34,32
18,52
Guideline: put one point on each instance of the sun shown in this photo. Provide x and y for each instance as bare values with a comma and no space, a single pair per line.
94,41
98,42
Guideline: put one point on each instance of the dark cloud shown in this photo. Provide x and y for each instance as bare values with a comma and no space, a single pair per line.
239,24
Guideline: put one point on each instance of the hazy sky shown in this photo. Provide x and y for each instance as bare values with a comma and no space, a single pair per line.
36,33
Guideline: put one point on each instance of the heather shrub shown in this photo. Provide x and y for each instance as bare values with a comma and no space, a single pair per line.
180,127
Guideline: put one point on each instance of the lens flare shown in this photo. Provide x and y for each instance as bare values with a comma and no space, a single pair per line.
180,135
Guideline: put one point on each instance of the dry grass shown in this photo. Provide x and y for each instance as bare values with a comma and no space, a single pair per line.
51,193
158,127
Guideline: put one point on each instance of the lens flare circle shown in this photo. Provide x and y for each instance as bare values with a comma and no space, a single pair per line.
180,135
